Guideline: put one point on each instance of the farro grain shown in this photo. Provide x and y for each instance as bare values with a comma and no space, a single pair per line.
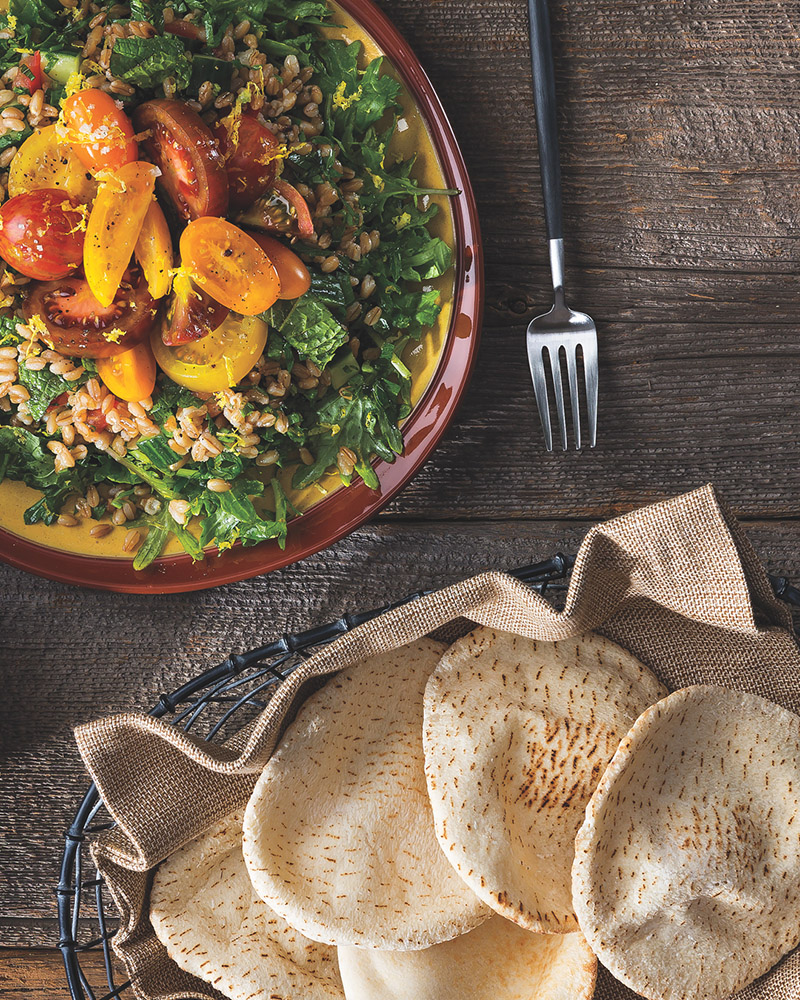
8,113
152,505
329,264
367,286
7,156
67,520
93,496
101,530
6,96
353,312
68,435
79,452
131,541
281,423
306,457
8,352
118,517
18,394
346,461
178,510
248,452
267,458
373,316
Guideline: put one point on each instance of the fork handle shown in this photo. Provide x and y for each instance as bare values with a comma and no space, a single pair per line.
544,95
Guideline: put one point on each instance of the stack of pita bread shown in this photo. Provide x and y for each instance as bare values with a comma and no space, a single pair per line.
481,821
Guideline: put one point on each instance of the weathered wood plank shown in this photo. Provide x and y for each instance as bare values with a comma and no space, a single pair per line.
678,125
38,973
72,655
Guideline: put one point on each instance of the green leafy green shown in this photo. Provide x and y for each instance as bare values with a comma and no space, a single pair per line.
23,457
363,416
147,62
43,387
309,327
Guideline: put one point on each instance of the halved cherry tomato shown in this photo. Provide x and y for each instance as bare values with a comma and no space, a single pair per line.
229,265
191,315
115,222
76,322
283,209
252,163
130,376
221,359
182,146
41,234
100,134
154,251
293,274
33,82
43,161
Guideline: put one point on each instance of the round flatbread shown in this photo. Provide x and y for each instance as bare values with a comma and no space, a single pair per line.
517,733
687,868
338,834
206,914
496,961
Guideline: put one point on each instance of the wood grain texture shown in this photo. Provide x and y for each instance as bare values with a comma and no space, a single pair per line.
36,974
679,126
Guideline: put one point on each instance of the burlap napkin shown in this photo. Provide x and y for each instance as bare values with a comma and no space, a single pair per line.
676,583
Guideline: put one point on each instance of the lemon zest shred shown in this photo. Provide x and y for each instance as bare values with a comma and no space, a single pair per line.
83,210
377,181
401,221
113,336
76,82
38,326
11,21
340,101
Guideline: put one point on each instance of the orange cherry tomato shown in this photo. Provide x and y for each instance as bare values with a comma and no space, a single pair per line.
100,134
154,251
293,274
115,223
131,375
229,265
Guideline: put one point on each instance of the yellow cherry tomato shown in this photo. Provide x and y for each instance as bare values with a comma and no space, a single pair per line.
115,222
130,376
229,265
154,251
218,360
43,161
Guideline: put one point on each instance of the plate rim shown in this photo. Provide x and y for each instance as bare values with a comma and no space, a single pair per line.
355,504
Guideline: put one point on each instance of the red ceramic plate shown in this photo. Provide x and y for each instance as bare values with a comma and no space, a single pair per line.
345,509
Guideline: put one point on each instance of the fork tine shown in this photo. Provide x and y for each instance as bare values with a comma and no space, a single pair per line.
590,366
574,400
536,363
555,371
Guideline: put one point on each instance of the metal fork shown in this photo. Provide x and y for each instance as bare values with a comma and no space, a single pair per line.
561,329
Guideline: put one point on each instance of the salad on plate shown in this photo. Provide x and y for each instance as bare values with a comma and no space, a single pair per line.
212,264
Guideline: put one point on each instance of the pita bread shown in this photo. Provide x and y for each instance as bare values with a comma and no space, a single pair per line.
207,915
687,868
338,834
496,961
517,734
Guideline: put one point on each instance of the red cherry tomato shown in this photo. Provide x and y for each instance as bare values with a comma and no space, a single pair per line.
100,134
294,276
79,326
282,209
252,163
181,144
41,234
30,83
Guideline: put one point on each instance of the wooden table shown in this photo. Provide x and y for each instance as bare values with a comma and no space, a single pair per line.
679,125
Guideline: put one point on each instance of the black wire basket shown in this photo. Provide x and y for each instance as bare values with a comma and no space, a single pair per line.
214,705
